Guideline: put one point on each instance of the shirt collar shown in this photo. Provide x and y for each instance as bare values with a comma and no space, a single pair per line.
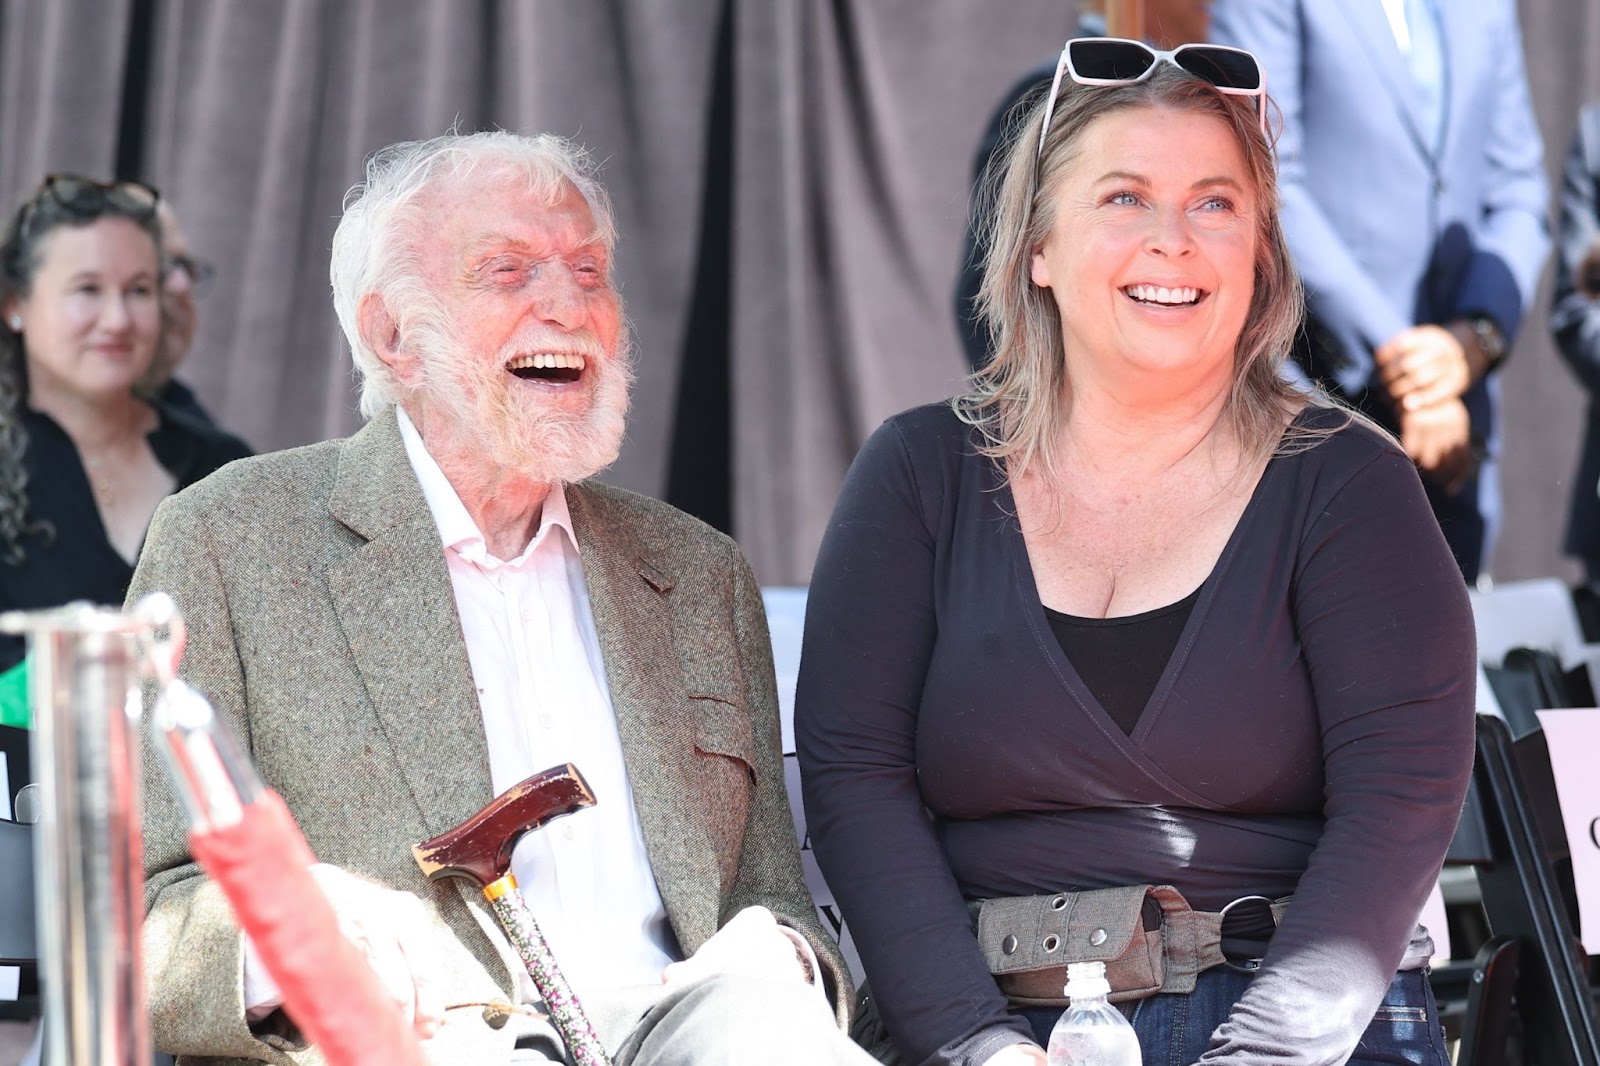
457,530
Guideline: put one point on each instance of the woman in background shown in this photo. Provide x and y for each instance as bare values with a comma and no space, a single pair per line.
84,458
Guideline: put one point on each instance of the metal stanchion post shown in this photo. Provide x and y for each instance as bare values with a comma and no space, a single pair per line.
84,676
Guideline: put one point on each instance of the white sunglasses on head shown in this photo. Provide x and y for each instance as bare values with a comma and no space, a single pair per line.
1118,61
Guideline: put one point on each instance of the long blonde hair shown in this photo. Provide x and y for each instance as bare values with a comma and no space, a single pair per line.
1019,400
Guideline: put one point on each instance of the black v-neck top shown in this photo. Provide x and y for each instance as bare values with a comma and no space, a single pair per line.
75,560
1310,734
1120,659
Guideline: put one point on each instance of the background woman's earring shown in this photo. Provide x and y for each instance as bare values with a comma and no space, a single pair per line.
16,323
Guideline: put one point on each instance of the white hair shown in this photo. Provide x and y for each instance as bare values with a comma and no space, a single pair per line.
375,246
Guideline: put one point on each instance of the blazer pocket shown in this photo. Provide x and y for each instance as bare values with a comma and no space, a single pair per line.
722,728
724,749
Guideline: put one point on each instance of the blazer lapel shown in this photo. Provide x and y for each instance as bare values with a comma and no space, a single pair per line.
629,596
1371,25
395,603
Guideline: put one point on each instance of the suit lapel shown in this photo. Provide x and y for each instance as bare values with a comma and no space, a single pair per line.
629,596
395,603
1456,43
1371,25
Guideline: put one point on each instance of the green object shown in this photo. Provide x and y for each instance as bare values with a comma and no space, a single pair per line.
14,697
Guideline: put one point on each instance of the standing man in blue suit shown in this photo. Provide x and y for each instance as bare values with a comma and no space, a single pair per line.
1414,200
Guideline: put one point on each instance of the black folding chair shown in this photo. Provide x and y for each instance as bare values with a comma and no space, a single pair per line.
1535,960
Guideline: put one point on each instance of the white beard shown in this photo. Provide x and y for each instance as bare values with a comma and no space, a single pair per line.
487,414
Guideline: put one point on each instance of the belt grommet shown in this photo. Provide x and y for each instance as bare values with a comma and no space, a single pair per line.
1097,937
1058,902
1050,943
1009,944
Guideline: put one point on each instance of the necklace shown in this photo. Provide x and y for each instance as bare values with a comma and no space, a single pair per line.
100,471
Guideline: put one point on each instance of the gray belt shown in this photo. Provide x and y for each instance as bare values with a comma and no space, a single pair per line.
1027,941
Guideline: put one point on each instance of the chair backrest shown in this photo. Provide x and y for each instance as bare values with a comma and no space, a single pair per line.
17,936
1533,614
1487,701
786,617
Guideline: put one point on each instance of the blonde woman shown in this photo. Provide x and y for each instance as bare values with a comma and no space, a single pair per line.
1134,612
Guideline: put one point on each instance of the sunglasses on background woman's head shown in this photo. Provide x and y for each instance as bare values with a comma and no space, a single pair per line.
1117,61
88,198
86,194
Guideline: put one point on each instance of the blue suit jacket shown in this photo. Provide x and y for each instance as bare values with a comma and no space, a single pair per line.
1388,229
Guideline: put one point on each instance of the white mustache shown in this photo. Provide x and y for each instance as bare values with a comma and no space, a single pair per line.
545,341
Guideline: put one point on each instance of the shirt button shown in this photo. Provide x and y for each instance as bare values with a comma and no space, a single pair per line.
547,721
568,832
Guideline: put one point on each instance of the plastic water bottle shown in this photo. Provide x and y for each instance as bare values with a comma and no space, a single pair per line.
1092,1032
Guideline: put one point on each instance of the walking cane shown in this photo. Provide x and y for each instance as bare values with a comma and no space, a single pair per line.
479,850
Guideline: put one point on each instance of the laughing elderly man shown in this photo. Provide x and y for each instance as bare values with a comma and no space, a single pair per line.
407,622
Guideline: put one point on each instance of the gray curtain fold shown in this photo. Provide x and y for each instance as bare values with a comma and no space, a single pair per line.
837,192
62,65
856,132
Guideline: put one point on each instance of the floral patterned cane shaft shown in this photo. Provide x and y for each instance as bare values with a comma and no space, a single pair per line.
565,1010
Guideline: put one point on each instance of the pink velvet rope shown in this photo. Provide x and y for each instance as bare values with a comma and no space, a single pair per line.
329,991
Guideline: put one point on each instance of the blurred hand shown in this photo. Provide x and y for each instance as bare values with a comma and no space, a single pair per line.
394,932
1018,1055
1587,277
751,944
1423,366
1439,440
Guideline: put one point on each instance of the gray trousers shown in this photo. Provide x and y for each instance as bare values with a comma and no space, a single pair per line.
720,1021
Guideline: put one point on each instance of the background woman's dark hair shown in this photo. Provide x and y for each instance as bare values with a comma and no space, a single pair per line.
57,202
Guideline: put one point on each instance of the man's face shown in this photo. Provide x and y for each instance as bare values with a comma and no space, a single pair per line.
522,358
179,316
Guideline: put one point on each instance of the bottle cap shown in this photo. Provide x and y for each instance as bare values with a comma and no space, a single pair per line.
1086,980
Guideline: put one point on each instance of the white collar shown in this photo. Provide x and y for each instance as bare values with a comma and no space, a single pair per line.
456,528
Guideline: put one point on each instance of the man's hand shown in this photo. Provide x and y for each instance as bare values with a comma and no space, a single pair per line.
1423,366
1018,1055
1439,440
392,929
751,944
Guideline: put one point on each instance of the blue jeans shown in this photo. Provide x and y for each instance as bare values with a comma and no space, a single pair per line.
1174,1029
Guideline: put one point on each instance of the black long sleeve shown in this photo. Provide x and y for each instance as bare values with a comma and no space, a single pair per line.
1312,735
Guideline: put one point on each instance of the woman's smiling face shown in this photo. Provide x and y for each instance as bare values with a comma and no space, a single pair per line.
1151,258
92,316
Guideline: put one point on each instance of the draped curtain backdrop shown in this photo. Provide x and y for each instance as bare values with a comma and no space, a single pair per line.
790,178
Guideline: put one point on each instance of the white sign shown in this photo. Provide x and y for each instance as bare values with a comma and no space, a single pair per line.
1574,738
5,790
10,982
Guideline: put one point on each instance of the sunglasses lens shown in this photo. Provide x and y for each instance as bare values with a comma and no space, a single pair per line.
133,197
1226,68
89,197
76,193
1106,60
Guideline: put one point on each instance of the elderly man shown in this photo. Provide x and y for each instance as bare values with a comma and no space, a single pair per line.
405,623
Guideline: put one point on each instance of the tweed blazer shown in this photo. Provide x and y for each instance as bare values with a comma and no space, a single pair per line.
322,626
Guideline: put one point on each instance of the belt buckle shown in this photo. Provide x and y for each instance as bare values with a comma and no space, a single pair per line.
1244,966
